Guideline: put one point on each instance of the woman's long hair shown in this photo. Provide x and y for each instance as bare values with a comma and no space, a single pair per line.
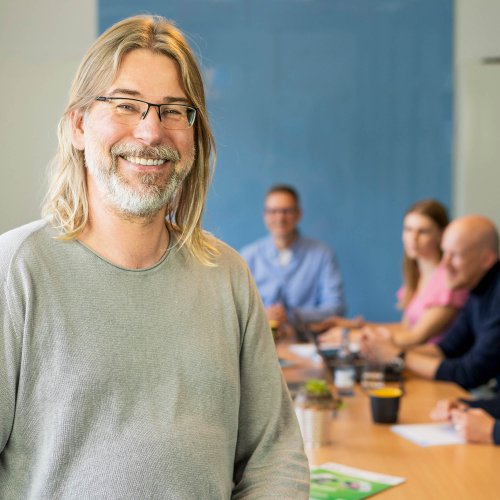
411,275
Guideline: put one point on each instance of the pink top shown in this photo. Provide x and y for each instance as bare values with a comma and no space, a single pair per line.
435,293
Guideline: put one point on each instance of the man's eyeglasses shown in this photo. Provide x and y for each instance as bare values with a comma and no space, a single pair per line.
282,211
131,111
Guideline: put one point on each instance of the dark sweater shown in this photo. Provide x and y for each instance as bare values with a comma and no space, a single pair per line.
472,344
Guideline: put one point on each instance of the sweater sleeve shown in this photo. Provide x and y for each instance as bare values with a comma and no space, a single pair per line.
13,297
9,369
459,338
471,360
270,460
492,406
496,432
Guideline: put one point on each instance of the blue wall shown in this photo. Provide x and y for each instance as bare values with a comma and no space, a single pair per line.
348,100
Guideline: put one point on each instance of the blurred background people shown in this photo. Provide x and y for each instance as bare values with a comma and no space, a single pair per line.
298,278
469,353
477,421
429,305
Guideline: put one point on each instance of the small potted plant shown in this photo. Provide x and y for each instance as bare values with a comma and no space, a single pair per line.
315,407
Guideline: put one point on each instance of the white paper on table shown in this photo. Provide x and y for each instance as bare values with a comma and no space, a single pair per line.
305,351
310,350
429,434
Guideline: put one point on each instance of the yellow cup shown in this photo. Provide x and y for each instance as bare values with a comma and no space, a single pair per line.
386,392
385,404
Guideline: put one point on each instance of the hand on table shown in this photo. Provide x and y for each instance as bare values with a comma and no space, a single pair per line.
334,336
376,345
442,410
336,321
474,425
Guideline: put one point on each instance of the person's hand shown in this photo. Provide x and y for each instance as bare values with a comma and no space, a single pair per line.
331,336
474,425
442,410
376,345
334,336
277,312
337,321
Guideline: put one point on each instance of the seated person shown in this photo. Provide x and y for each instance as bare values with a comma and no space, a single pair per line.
477,421
297,277
429,305
469,353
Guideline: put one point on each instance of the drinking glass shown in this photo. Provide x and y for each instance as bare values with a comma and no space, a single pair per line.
372,376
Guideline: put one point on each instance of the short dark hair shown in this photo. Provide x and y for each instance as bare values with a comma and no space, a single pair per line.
284,188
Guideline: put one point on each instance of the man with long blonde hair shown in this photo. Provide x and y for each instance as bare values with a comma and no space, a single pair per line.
136,359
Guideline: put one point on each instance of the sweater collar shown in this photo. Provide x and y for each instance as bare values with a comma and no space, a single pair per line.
491,276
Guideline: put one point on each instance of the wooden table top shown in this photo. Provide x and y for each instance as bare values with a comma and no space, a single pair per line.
468,471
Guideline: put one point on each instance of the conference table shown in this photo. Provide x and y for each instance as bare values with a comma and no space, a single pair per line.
463,471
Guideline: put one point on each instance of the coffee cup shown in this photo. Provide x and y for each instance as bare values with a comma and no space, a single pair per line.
385,404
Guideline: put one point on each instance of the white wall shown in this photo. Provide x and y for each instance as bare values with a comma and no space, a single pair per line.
41,45
477,108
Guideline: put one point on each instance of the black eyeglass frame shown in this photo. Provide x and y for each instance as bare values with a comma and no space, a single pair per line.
157,106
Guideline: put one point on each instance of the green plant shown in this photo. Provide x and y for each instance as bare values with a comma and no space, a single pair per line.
318,388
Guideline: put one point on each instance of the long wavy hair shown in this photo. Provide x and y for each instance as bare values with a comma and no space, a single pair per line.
411,275
66,203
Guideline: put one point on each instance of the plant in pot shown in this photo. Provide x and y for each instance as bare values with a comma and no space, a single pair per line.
315,407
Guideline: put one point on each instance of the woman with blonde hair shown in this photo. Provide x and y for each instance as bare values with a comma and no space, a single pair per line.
428,304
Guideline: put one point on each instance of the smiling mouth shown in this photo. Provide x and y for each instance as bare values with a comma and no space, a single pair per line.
144,161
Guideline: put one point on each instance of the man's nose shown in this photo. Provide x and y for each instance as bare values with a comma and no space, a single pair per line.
149,129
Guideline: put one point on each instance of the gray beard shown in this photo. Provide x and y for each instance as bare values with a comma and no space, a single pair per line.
153,196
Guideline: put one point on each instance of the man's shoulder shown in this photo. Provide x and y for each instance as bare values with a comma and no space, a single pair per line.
488,289
256,247
227,255
496,274
313,245
13,240
494,292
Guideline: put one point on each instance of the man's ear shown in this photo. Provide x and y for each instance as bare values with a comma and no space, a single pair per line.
77,129
489,259
299,214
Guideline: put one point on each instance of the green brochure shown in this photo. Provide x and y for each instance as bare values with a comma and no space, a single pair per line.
333,481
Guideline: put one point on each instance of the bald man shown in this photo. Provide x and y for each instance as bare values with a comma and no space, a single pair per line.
469,354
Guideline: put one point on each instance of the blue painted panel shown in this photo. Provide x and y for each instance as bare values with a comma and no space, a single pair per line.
349,100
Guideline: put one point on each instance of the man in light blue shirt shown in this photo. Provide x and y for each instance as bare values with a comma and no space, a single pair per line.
297,277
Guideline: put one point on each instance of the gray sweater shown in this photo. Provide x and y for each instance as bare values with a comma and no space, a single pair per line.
160,383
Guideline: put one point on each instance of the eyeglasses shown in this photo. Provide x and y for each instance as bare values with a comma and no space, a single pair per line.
131,111
282,211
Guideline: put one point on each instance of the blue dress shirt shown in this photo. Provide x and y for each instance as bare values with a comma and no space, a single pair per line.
310,284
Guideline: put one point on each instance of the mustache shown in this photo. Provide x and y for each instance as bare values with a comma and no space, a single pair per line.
150,152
